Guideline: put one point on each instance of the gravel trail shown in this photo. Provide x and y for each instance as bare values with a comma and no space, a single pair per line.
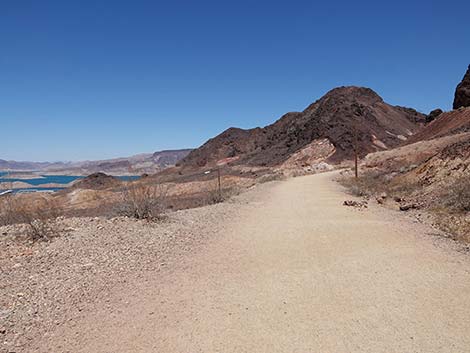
290,270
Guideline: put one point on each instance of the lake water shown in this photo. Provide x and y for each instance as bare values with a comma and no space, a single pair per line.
37,180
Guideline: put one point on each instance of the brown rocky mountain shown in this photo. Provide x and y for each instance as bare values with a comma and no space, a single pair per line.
331,119
462,92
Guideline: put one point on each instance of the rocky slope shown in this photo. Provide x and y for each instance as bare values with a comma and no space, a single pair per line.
334,117
451,163
430,171
449,123
462,92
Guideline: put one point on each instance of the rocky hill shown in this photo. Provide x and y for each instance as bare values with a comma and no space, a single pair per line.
462,92
96,181
333,119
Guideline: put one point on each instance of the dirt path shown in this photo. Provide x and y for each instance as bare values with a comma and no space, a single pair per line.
295,271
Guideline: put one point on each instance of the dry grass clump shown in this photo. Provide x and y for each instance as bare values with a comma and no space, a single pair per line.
274,176
38,215
143,201
457,196
214,196
456,225
452,212
372,184
449,205
366,185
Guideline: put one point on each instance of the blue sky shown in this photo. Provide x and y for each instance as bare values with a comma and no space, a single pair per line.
100,79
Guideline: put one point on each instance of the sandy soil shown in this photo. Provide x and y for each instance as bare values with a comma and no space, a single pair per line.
292,270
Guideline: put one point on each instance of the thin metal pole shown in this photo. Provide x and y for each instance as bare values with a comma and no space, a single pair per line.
355,150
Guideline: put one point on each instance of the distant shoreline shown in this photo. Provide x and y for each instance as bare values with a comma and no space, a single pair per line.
42,174
20,175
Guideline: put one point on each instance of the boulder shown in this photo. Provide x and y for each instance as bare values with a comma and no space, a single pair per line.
433,115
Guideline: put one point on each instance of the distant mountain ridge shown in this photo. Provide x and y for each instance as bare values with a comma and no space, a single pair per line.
137,164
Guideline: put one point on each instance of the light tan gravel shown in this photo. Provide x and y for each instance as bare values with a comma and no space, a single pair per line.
45,285
292,270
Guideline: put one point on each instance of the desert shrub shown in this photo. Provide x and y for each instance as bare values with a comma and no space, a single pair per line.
143,201
7,211
38,215
457,195
214,196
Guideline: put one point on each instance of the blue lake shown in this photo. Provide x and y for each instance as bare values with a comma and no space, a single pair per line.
37,180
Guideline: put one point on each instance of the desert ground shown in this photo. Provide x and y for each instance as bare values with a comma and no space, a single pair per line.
283,267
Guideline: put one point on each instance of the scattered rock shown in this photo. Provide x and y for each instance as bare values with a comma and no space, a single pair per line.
358,204
381,198
410,206
43,281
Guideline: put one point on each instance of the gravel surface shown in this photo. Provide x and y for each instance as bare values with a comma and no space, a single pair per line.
284,267
45,284
293,271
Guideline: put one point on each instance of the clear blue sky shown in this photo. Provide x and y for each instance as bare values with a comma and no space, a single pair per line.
99,79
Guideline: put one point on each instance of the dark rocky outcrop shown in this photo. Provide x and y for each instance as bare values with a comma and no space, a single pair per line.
433,115
462,92
333,117
96,181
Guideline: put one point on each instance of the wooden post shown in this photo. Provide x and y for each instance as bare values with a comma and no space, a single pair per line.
218,179
355,150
